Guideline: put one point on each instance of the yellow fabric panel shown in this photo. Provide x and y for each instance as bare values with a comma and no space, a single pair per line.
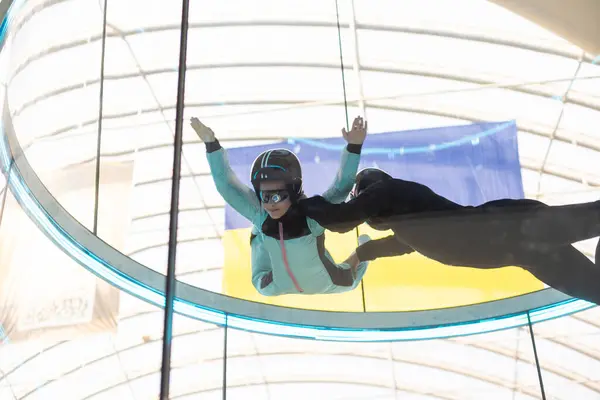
411,282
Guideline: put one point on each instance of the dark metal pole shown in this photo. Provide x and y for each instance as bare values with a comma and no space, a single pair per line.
177,147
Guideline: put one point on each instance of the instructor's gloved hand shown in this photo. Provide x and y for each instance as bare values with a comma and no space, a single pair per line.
204,132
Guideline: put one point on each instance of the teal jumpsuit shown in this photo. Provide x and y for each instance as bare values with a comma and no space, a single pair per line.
310,269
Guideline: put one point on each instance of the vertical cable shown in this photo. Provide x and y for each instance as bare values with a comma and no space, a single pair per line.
537,361
516,374
356,61
362,286
337,14
339,29
225,359
165,374
5,191
100,113
3,334
364,300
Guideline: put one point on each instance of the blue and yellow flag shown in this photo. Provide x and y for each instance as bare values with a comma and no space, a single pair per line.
469,164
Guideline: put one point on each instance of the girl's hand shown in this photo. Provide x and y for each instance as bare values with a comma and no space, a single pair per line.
204,132
353,261
358,133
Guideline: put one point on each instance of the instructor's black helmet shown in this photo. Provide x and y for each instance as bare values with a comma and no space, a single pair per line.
278,165
366,178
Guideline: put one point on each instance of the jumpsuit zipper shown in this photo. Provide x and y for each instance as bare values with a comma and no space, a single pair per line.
285,259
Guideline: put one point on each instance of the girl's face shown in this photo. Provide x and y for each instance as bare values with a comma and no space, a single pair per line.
275,199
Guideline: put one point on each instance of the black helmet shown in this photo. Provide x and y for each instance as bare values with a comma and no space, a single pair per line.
278,165
366,178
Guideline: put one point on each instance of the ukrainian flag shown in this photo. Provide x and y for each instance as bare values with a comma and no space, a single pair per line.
469,164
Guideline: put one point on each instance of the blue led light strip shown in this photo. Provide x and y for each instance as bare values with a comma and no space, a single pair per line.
408,150
128,275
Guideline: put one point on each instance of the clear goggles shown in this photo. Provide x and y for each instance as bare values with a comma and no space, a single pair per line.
274,196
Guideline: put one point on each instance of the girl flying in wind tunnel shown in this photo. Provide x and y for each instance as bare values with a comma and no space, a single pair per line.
288,249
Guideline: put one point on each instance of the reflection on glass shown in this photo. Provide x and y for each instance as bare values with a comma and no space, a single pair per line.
48,305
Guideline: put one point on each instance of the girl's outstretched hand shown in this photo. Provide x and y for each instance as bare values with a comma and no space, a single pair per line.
353,261
204,132
358,133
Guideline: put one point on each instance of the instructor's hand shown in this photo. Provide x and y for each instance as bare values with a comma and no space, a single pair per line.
358,133
204,132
